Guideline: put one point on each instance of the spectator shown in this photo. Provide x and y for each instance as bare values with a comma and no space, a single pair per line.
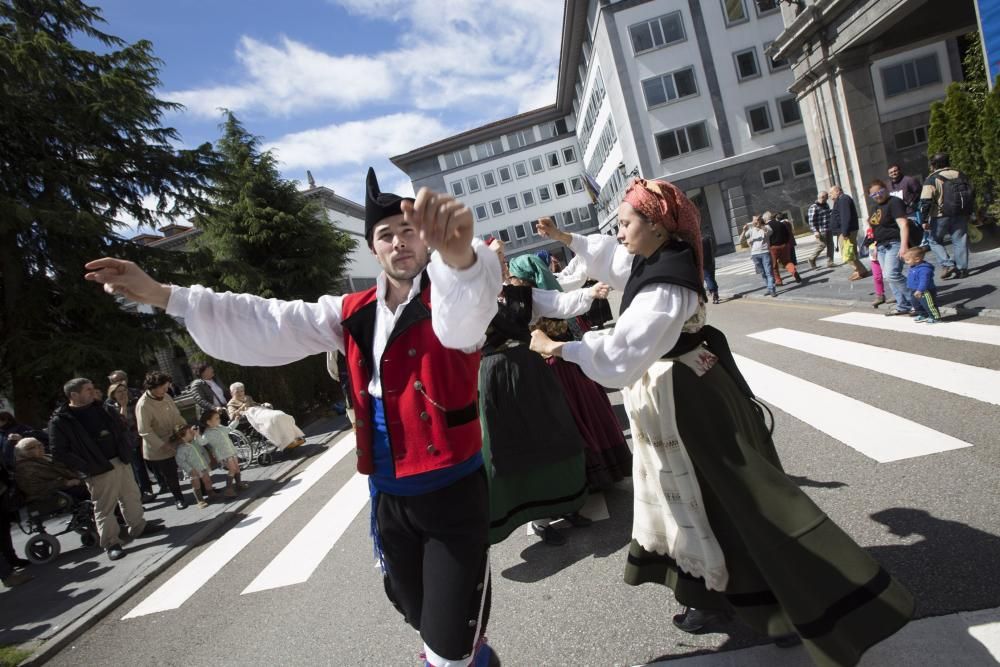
38,476
215,437
121,377
946,202
708,268
157,416
892,237
780,248
193,460
876,268
906,188
207,391
240,401
277,426
844,221
920,281
120,402
818,217
10,564
89,437
757,234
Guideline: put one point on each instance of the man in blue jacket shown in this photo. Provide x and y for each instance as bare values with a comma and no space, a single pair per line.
844,221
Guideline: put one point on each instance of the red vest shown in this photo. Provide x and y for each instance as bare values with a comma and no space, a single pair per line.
429,392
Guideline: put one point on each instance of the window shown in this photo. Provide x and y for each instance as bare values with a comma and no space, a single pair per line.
584,214
481,212
569,218
746,64
788,111
537,166
552,159
801,168
605,143
568,155
770,176
457,189
520,232
555,128
489,179
458,158
759,119
504,235
661,31
528,197
489,148
682,140
911,138
473,183
597,94
543,193
521,138
765,7
560,188
910,75
504,174
735,11
775,64
521,169
534,227
496,207
576,184
512,203
669,87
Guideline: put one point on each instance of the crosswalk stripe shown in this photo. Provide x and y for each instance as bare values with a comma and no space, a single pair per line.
173,593
877,434
981,384
300,557
964,331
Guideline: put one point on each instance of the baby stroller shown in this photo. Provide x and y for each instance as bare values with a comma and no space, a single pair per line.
42,546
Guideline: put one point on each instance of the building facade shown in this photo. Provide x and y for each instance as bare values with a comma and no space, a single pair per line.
348,217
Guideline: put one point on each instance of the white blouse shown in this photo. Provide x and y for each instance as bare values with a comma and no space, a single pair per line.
559,305
646,331
573,276
253,331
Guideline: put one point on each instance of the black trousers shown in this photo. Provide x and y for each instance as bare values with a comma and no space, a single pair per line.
437,567
166,474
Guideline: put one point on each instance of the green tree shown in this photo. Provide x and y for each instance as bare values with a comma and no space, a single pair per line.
938,132
81,146
974,68
966,148
990,135
261,236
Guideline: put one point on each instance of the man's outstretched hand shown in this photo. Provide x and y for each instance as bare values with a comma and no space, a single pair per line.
445,225
120,276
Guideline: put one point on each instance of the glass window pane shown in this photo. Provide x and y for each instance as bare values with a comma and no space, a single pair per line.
569,155
666,143
481,213
746,64
673,27
668,87
496,207
927,70
560,189
543,193
698,135
512,203
790,111
893,80
473,183
685,84
553,159
457,189
528,197
504,235
654,27
537,166
520,232
642,39
682,142
735,11
653,90
520,169
504,173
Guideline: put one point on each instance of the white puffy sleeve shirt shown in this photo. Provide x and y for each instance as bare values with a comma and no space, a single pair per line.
559,305
646,331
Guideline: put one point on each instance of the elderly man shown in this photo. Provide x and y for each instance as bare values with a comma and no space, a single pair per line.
818,216
38,476
412,345
89,437
844,222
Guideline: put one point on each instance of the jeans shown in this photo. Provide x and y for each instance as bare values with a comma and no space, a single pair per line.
958,227
892,270
933,239
762,263
710,284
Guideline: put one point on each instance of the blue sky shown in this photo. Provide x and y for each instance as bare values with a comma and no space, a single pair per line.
334,86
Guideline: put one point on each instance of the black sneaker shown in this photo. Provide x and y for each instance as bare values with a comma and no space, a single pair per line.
577,520
696,621
180,504
147,498
115,552
549,535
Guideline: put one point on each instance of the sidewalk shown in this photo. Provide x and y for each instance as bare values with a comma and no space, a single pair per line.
79,587
977,295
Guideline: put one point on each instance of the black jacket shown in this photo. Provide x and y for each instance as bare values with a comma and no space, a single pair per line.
73,446
204,396
844,218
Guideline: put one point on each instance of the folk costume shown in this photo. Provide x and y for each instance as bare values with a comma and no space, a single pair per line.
716,519
530,439
412,375
609,459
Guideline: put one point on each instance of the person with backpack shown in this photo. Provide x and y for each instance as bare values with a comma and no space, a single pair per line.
946,202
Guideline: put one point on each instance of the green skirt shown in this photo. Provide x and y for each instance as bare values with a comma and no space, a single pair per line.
791,569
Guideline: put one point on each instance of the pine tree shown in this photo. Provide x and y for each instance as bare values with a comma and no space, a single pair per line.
990,136
81,145
938,131
965,148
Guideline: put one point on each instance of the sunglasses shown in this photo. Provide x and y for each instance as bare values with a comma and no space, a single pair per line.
877,194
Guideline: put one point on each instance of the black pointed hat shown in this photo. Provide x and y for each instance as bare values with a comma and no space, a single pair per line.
378,205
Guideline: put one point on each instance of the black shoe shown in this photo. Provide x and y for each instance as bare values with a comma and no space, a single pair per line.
115,552
549,535
180,504
696,621
152,528
147,498
962,273
787,641
577,520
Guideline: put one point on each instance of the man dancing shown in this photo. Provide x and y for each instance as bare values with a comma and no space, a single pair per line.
412,348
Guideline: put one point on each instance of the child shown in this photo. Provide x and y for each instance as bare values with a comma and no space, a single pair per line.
215,437
920,281
876,269
193,460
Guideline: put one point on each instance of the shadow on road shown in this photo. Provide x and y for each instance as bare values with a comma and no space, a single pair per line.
816,484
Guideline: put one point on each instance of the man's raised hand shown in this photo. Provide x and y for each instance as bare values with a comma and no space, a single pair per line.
120,276
444,224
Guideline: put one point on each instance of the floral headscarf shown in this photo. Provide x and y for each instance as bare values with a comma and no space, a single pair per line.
663,203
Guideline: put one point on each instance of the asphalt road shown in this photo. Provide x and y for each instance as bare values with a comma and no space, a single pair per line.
931,519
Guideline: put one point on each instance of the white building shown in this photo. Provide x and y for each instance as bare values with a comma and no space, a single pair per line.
348,217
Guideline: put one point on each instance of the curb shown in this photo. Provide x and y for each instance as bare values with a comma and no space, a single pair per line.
92,616
946,311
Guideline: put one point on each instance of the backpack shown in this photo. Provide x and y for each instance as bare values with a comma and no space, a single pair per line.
956,196
916,233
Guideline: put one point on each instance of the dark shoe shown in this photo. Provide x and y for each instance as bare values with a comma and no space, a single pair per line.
577,520
773,292
696,621
796,277
787,641
962,273
879,300
549,535
947,272
20,563
16,579
715,298
180,504
152,528
115,552
147,498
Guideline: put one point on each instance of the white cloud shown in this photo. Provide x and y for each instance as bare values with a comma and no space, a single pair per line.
357,142
453,53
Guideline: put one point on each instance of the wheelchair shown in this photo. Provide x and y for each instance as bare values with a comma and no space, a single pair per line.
42,546
251,446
